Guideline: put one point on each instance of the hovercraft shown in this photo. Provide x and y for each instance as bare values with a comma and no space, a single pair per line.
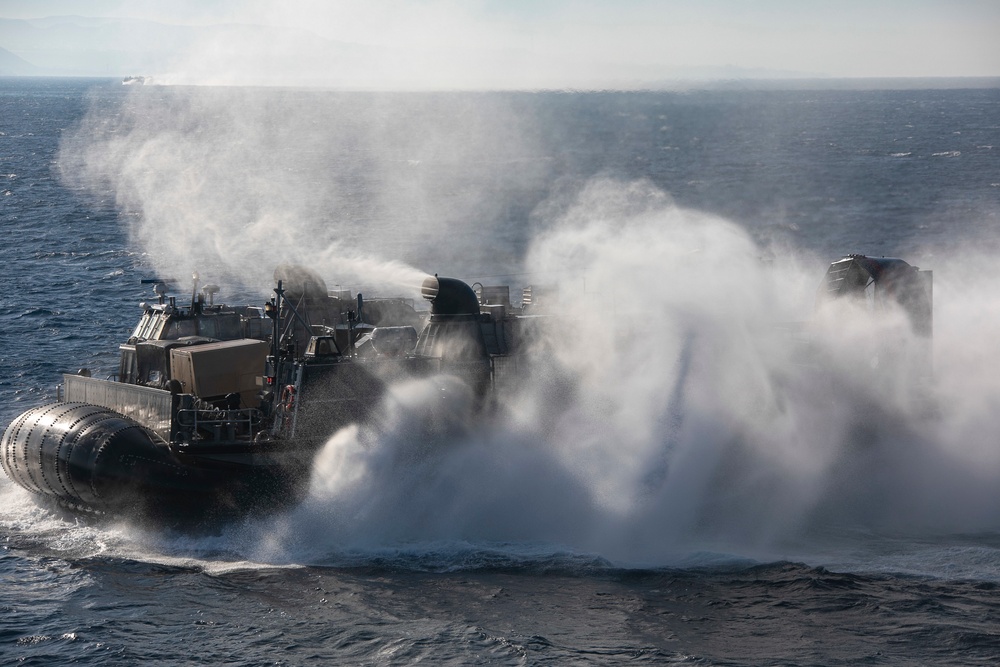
217,409
220,410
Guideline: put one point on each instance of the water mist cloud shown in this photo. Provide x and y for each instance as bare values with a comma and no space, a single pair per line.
674,411
223,182
233,181
700,414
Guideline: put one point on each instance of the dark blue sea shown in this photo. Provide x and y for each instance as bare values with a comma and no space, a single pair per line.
673,488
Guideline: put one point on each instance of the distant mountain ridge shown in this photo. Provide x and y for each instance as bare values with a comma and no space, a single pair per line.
13,65
91,46
250,54
245,54
84,46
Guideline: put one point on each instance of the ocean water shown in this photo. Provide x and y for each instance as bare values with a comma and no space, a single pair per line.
679,494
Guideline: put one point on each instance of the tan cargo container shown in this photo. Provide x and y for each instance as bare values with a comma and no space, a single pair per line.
216,369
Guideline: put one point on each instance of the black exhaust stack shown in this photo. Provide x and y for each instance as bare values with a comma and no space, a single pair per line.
449,298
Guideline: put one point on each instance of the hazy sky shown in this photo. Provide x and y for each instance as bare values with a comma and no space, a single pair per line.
641,38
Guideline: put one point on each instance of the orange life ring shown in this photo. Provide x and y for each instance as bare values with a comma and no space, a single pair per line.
288,398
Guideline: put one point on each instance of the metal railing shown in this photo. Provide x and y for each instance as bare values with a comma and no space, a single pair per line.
149,407
221,425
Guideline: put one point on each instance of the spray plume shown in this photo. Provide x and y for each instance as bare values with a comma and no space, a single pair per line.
672,411
230,182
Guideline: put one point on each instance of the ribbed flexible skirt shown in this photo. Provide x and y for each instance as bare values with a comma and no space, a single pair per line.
83,454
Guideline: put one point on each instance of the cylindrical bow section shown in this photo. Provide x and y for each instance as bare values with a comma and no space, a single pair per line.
78,453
